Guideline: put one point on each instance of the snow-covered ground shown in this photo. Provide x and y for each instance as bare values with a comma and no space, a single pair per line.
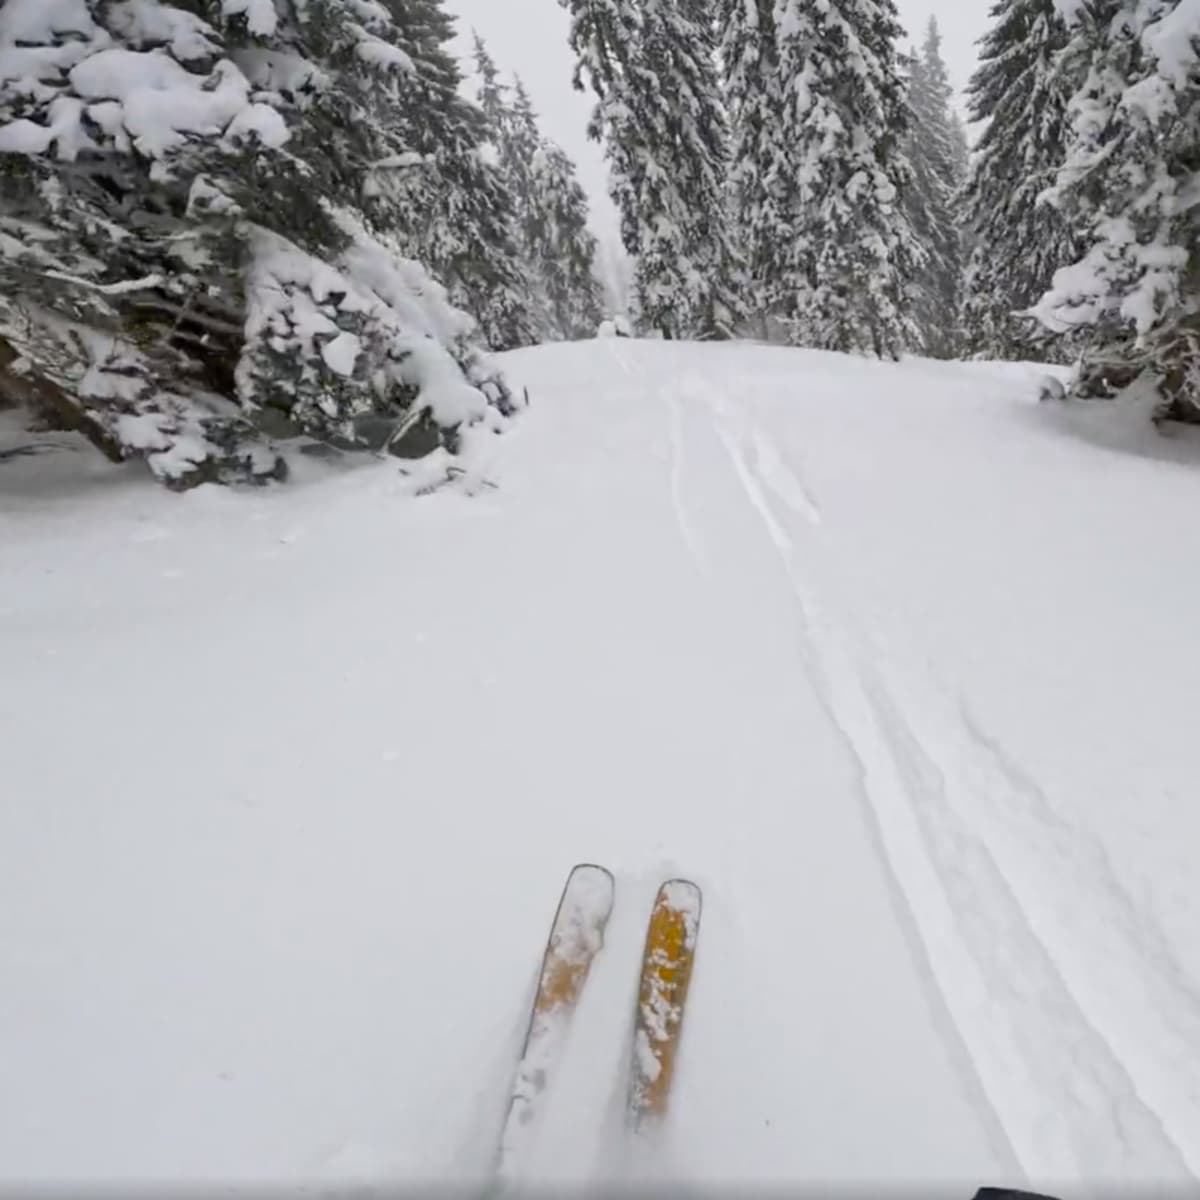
896,663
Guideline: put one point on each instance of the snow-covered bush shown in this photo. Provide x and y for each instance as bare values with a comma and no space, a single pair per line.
195,256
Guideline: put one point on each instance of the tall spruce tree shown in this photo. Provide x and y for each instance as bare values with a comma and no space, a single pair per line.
197,253
515,142
562,246
464,222
935,154
550,206
1129,185
652,65
1020,92
844,121
762,194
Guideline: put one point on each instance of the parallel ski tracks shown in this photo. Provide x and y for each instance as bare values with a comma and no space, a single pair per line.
1076,1086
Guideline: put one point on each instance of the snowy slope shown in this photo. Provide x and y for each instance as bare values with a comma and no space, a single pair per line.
891,660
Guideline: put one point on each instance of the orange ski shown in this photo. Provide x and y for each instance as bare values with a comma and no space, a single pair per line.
666,974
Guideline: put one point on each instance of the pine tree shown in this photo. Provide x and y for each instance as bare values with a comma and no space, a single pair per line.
1128,185
934,153
762,196
551,209
490,92
562,247
844,121
668,161
1021,92
464,222
515,141
195,256
961,150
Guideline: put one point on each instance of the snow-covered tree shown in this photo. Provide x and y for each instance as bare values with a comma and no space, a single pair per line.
550,207
513,144
845,116
935,154
464,226
562,247
1130,185
762,194
652,65
489,91
1020,92
195,236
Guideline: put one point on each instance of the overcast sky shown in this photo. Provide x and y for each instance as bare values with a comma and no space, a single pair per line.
529,37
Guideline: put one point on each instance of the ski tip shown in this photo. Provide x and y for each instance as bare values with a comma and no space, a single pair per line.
682,895
587,867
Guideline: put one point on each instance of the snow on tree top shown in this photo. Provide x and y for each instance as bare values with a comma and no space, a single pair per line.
276,71
378,53
375,15
260,14
1172,41
146,24
140,98
40,21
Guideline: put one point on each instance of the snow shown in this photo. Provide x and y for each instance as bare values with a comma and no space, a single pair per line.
34,21
1172,40
278,72
376,52
341,353
64,130
147,24
293,300
891,660
259,15
163,101
144,98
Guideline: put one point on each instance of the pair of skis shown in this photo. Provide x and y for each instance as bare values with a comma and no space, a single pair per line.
576,937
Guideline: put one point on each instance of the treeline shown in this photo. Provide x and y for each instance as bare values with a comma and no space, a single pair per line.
783,167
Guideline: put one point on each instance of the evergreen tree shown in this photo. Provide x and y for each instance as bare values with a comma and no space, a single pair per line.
551,209
515,140
844,122
195,254
490,92
961,149
935,155
464,220
1021,91
667,160
562,246
762,196
1128,185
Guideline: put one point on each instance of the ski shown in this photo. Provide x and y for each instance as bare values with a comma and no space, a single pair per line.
576,937
666,973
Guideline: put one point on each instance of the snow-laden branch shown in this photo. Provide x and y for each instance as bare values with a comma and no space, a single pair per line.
107,289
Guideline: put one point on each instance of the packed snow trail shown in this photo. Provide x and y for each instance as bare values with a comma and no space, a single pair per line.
876,654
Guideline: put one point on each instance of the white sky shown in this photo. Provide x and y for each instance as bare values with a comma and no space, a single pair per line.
529,37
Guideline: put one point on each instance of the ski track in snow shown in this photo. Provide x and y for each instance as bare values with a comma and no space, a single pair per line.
1081,1090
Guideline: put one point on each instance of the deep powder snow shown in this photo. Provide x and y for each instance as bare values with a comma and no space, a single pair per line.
891,660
